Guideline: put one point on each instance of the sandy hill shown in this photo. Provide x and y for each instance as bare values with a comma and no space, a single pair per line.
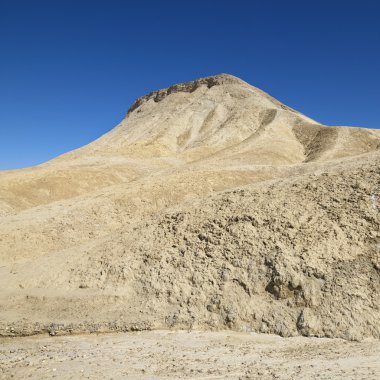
211,205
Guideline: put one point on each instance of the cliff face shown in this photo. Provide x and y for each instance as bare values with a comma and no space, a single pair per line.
211,205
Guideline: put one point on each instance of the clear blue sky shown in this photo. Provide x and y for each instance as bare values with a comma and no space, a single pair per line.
69,70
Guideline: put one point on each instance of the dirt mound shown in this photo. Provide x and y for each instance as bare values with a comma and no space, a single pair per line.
211,205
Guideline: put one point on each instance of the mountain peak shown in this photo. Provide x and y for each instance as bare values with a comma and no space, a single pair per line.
223,118
190,86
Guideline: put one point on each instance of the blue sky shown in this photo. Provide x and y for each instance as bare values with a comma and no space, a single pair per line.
69,70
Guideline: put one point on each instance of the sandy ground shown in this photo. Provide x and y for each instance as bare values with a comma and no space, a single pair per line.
191,355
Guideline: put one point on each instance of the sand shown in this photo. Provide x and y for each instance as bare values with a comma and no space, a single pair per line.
188,355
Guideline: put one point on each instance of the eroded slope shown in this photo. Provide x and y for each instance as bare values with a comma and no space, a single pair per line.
150,227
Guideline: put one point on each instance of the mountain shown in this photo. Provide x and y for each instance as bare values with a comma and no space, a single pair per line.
211,205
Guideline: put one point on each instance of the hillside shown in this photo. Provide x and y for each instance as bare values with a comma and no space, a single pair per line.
210,206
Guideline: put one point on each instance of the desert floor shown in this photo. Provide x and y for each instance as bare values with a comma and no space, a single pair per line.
191,355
